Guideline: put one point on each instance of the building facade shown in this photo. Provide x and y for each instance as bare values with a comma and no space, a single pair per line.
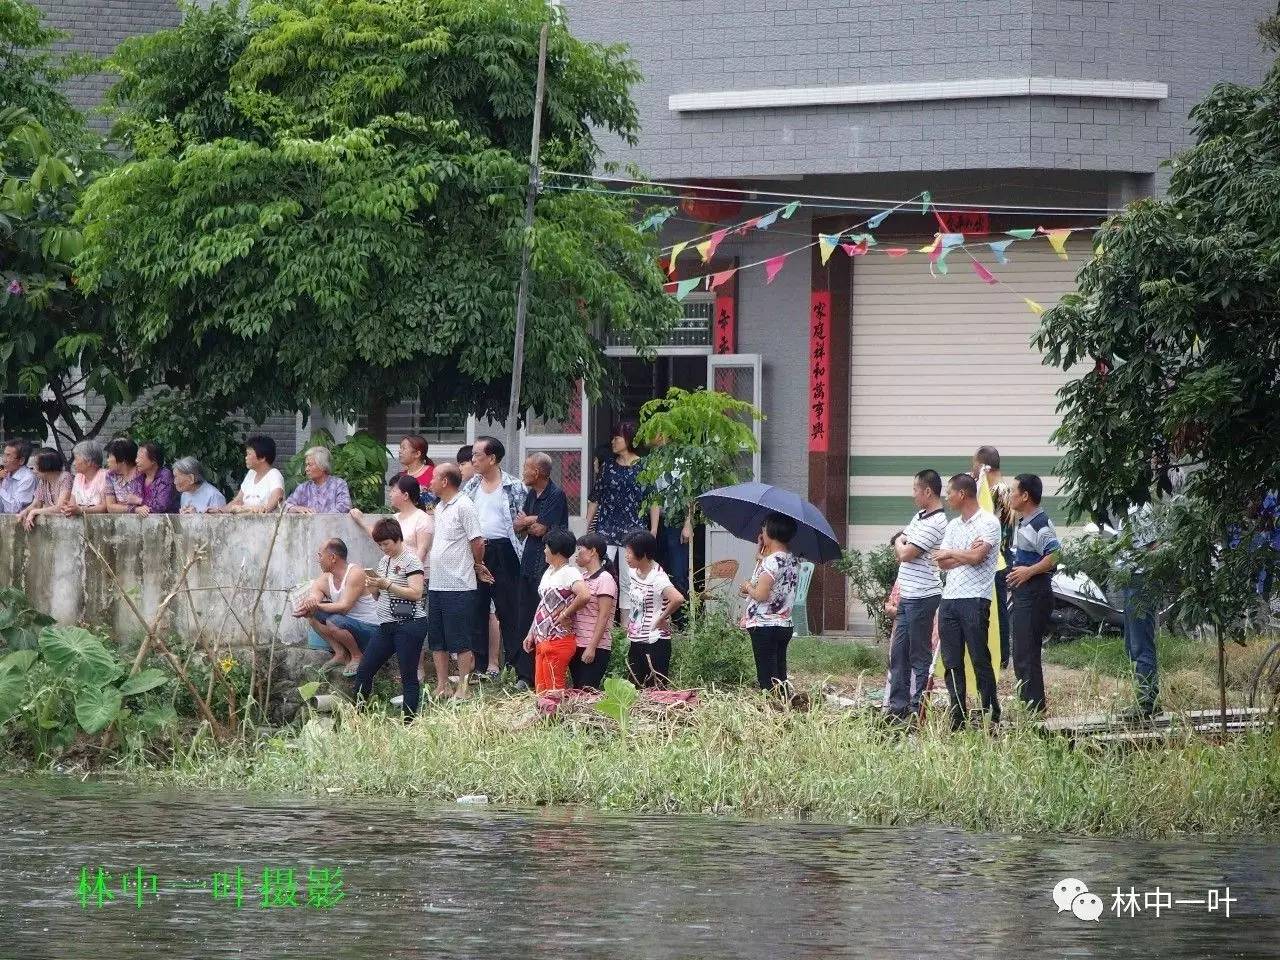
1067,107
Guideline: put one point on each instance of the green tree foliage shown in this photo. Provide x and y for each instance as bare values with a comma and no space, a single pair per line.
325,205
193,426
872,574
57,344
1175,327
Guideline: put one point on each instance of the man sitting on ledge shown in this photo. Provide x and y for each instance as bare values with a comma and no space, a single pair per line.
339,608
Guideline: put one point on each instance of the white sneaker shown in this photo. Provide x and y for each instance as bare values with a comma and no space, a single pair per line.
398,700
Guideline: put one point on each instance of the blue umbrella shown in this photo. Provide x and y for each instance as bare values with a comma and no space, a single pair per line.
743,508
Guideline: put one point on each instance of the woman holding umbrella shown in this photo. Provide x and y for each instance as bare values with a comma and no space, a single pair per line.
770,594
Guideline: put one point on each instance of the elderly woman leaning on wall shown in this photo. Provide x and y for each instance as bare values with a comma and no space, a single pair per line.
89,486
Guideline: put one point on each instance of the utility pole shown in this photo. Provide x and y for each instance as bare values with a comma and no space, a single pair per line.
526,250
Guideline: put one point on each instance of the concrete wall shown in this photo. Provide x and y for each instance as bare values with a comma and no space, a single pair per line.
700,46
63,578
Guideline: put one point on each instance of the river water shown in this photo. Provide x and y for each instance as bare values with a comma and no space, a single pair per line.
468,881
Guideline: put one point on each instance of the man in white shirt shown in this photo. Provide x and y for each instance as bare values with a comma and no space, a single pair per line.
919,592
17,480
968,554
457,567
498,498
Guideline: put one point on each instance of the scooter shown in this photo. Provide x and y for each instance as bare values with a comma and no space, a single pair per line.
1080,607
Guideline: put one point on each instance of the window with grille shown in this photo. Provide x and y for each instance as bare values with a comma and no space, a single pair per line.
693,329
416,417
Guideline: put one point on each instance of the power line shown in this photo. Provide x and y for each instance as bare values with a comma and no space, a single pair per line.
859,203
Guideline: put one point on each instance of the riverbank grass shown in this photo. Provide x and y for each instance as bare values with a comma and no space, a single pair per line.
741,753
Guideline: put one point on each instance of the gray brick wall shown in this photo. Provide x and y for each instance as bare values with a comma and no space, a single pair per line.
686,46
96,27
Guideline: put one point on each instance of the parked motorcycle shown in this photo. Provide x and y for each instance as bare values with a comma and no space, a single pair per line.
1080,607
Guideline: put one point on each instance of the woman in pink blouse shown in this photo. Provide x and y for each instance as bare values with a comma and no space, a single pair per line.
89,488
53,489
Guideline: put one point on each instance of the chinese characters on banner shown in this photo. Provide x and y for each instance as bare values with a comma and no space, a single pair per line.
972,222
724,324
819,371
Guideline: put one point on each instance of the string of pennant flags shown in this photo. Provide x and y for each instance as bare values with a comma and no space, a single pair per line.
855,241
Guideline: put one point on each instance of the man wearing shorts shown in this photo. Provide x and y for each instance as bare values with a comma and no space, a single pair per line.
457,557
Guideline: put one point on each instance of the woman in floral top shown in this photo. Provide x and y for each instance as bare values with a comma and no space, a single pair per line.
616,506
771,593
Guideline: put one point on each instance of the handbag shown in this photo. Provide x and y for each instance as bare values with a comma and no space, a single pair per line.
401,608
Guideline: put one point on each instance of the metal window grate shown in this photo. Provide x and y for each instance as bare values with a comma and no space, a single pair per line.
693,329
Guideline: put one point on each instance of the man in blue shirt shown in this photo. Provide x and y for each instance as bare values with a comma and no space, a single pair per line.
1035,557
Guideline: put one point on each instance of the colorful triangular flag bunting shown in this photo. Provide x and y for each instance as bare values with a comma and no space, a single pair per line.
768,220
716,279
1022,233
675,252
827,244
986,275
854,249
998,250
772,266
879,218
685,287
896,251
656,220
749,225
708,247
789,210
1058,240
1035,307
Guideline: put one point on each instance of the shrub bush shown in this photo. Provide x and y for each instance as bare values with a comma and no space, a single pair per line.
872,574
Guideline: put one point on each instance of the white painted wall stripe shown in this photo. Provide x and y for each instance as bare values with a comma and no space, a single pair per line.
872,93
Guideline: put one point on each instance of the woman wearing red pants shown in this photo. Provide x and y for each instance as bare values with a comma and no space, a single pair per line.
561,594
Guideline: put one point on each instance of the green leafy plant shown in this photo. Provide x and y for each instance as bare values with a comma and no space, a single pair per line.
712,650
20,623
699,440
872,574
1092,556
72,682
619,697
361,461
189,425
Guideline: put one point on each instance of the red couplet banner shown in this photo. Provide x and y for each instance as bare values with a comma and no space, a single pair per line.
819,371
724,327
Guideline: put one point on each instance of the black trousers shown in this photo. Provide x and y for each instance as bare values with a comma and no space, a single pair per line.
584,675
649,663
963,625
500,557
1029,620
402,639
769,644
1002,612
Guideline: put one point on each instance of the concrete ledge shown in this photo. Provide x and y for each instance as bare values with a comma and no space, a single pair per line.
875,93
56,569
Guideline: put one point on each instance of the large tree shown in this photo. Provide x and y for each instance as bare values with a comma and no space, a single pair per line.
325,205
59,346
1176,321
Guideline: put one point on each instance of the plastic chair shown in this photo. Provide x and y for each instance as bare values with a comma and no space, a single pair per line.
800,612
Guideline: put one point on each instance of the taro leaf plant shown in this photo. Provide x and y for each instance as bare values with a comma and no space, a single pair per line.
1172,335
698,441
361,461
71,682
619,698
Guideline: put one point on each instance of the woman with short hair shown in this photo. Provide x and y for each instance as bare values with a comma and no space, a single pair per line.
399,586
124,479
196,494
262,488
158,492
89,484
53,488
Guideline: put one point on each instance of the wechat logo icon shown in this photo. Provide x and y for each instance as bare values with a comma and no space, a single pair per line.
1073,895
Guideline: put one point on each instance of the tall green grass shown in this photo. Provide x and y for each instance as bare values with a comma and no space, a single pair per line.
745,753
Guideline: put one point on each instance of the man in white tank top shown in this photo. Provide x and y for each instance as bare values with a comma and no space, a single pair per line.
338,608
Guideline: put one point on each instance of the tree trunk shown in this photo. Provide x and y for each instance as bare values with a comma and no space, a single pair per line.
376,419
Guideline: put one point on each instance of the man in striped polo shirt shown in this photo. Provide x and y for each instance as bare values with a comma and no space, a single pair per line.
968,554
919,591
1035,557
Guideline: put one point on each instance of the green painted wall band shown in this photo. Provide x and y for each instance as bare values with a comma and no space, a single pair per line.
948,466
888,511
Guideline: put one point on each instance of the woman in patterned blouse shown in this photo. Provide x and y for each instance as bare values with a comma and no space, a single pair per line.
616,506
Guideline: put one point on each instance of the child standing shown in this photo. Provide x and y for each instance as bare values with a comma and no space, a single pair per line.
653,601
771,593
561,594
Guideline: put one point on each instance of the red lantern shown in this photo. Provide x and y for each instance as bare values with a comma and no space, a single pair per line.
702,201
